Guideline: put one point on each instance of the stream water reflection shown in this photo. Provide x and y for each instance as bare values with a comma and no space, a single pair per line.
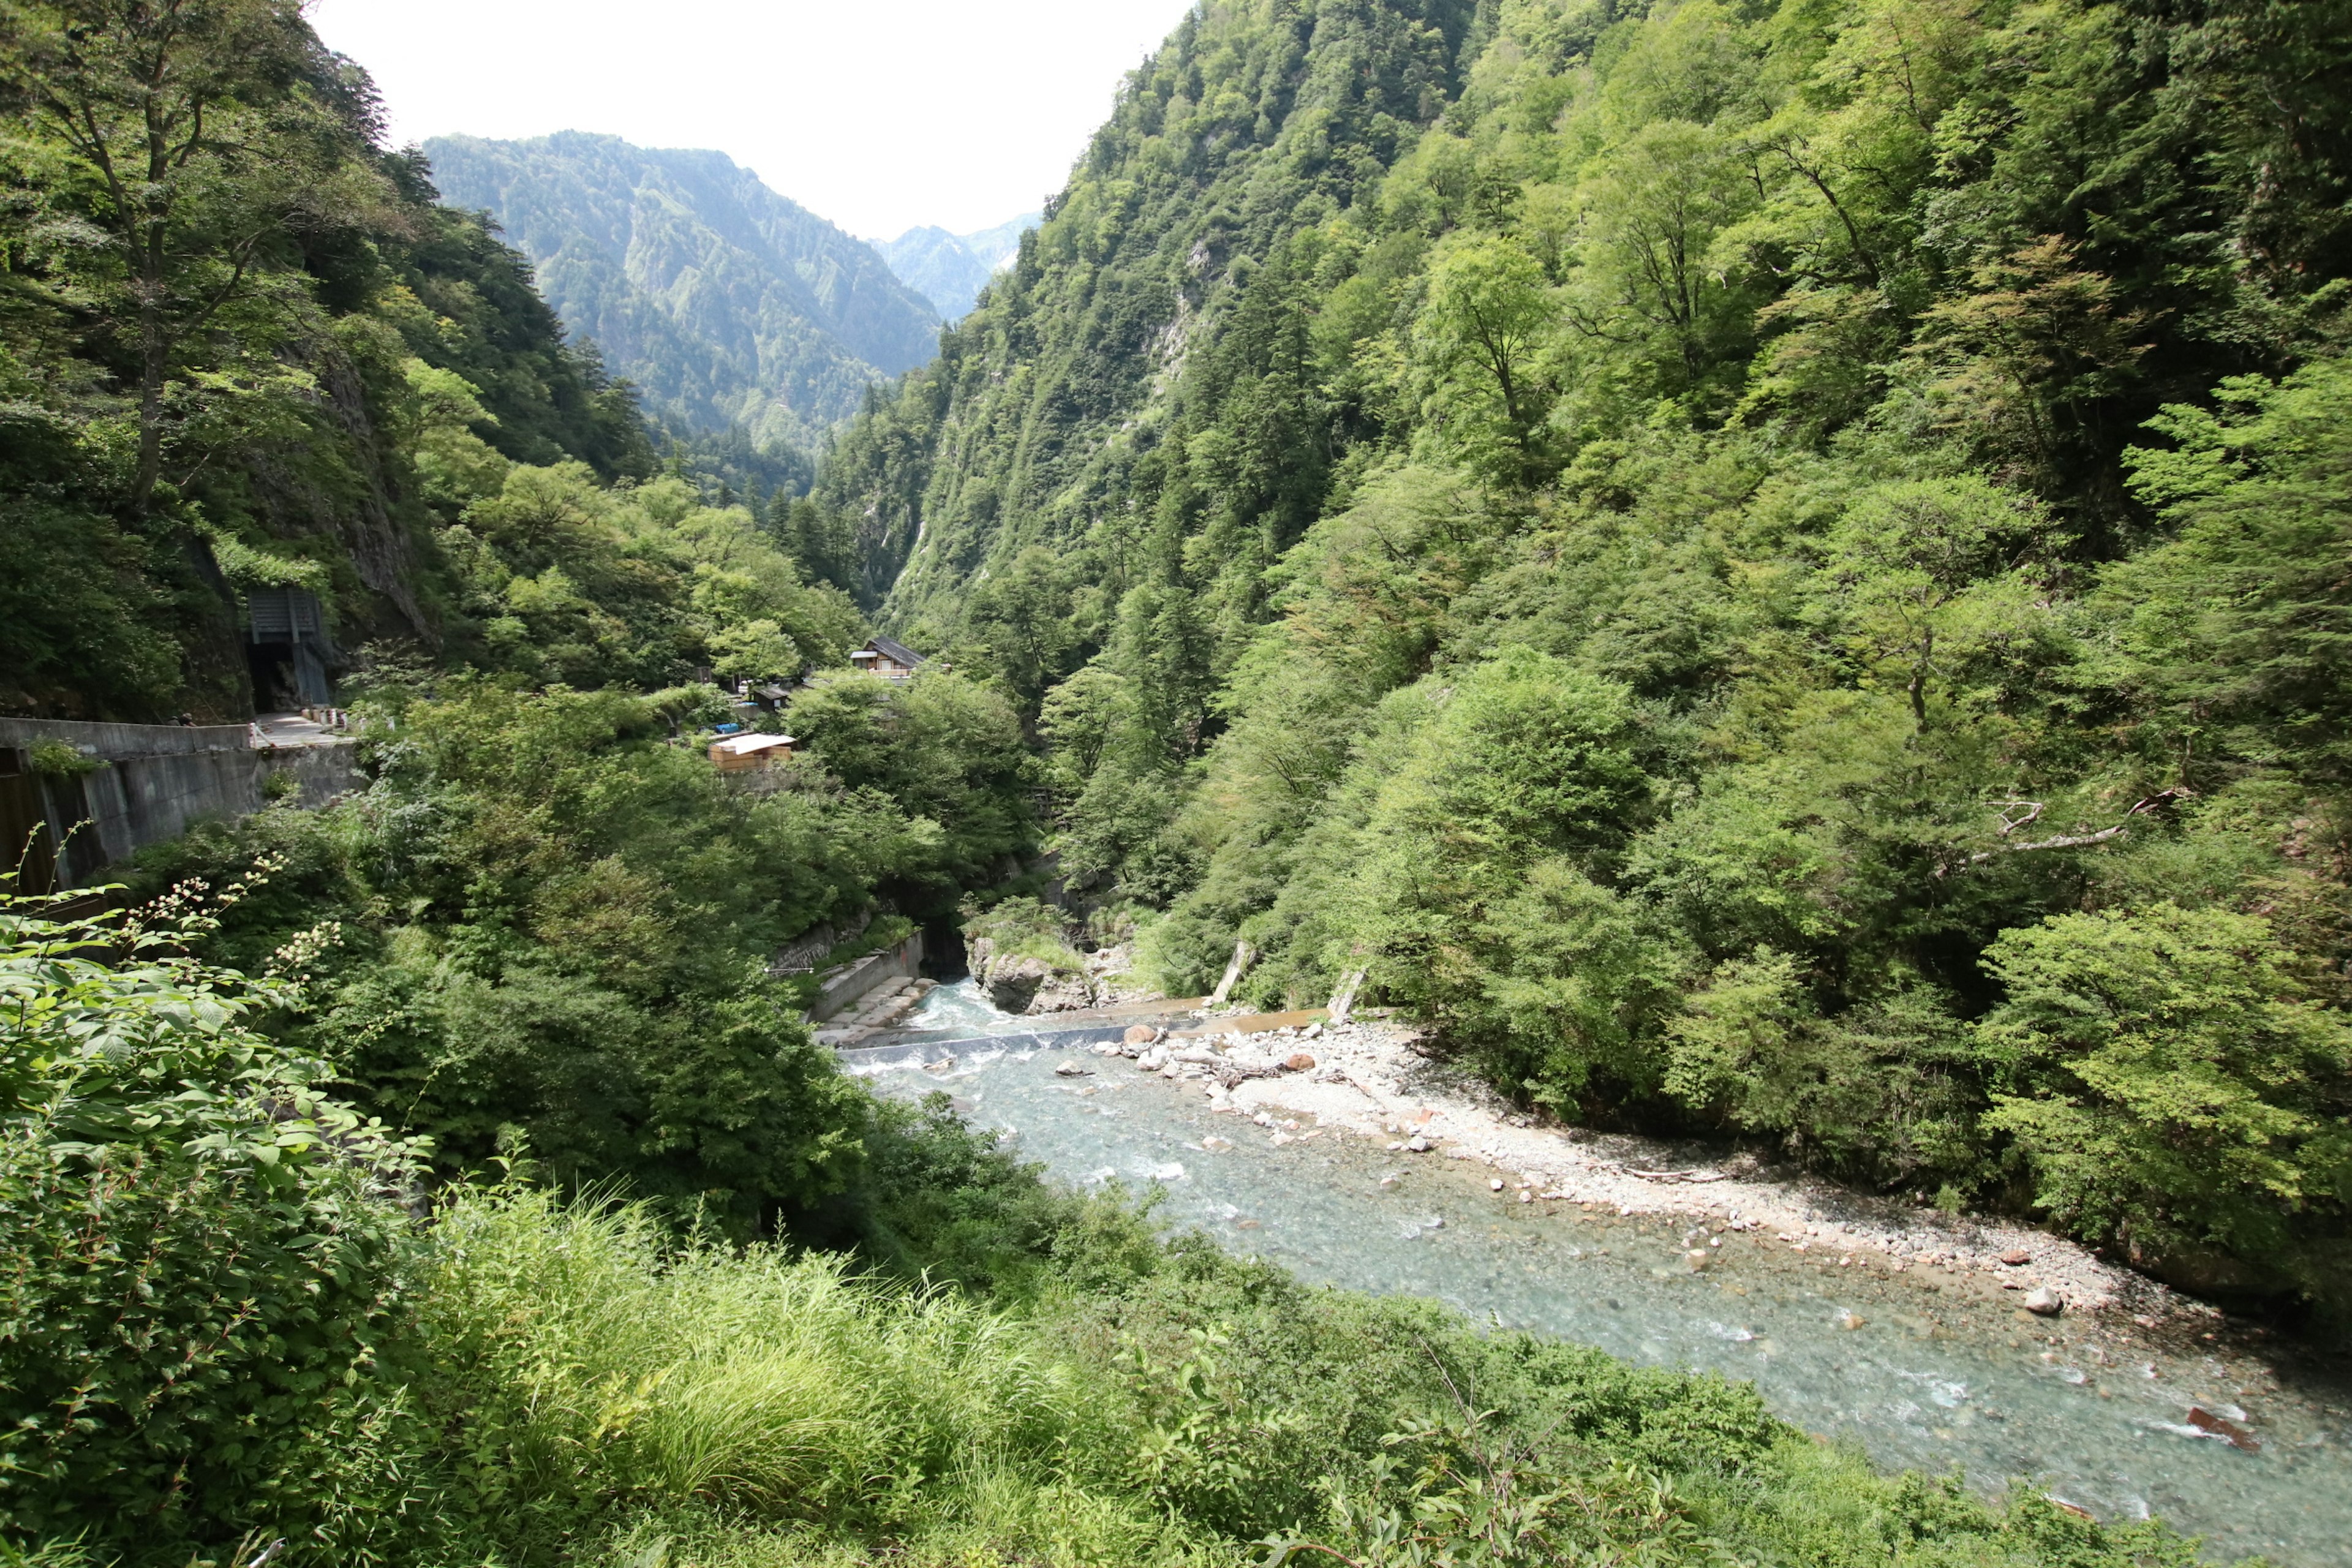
1919,1379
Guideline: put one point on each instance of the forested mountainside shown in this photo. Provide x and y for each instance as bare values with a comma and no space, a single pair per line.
1778,569
724,303
447,1174
950,269
273,360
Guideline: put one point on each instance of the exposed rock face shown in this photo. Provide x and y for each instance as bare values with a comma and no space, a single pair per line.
1011,981
1020,984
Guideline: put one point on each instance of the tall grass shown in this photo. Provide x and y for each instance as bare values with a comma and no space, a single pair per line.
572,1383
608,1393
606,1367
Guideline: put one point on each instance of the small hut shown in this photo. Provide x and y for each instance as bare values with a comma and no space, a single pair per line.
750,753
885,657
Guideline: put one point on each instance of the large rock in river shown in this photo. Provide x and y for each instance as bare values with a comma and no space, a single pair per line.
1011,982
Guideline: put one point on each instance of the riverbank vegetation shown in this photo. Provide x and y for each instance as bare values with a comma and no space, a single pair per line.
240,1312
1708,648
1773,570
552,921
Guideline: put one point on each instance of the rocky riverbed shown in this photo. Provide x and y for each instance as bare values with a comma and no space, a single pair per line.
1367,1077
1348,1158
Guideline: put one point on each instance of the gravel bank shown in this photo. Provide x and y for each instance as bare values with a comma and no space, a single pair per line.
1367,1080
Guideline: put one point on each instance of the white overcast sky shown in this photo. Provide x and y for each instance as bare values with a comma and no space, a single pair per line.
878,114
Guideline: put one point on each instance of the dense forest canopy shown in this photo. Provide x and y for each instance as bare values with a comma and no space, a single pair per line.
233,329
1775,568
244,346
1778,570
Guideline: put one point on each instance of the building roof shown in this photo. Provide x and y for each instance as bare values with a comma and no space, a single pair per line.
747,745
898,652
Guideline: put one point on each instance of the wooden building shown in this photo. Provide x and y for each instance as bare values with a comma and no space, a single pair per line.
750,753
890,659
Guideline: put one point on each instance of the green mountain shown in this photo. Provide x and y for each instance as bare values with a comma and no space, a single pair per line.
250,372
723,302
950,269
1779,573
1774,569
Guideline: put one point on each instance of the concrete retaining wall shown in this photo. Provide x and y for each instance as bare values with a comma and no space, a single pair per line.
158,780
127,739
852,981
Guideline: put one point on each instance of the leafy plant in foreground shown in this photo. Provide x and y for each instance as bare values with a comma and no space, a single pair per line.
203,1250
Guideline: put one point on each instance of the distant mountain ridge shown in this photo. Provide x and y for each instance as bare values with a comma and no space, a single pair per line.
727,304
950,269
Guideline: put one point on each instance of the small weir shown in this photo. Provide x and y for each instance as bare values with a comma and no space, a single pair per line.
2089,1410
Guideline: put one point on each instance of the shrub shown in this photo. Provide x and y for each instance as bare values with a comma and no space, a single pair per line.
2169,1081
203,1255
57,760
1023,928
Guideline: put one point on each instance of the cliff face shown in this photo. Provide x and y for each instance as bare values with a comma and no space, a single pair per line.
723,301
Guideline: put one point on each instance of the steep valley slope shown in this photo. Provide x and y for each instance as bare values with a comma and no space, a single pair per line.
1735,562
725,303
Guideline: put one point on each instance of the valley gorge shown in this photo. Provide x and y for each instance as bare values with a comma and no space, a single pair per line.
1639,696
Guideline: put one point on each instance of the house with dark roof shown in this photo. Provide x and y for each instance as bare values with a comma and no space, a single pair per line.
887,657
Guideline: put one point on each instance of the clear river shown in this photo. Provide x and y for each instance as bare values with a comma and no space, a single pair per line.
1913,1376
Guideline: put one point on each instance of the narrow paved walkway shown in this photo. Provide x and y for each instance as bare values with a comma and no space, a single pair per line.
284,731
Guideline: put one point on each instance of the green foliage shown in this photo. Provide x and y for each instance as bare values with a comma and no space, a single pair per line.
2167,1080
558,924
943,1200
1487,317
1245,127
1022,925
467,305
1886,410
57,760
571,582
755,1407
1882,1090
204,1259
599,1367
79,614
240,346
2236,629
1623,524
1492,799
223,1328
945,749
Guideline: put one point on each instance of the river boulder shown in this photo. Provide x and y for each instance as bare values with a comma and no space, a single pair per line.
1011,982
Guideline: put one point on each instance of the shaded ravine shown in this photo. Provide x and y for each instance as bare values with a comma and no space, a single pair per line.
2091,1410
